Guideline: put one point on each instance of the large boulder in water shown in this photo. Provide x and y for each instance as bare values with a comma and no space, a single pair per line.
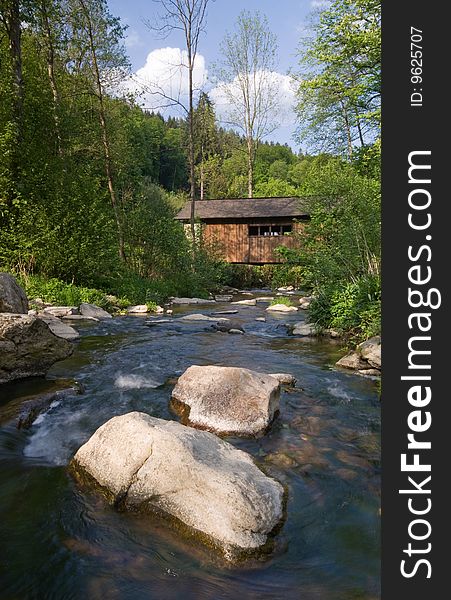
227,399
12,297
28,347
201,481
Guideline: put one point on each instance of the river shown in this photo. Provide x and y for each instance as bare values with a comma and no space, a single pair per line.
59,542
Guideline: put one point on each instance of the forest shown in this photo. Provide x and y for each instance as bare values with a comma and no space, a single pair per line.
90,180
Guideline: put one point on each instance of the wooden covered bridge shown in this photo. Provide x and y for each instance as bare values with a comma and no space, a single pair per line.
248,230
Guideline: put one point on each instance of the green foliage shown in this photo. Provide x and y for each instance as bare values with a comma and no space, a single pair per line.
60,293
264,276
339,80
351,308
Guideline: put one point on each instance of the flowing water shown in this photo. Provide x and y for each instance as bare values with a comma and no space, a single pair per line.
59,542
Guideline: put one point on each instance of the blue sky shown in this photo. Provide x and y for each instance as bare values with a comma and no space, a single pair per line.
286,18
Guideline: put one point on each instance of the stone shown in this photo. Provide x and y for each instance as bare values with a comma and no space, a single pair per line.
28,347
138,309
250,302
228,327
192,301
31,409
369,372
61,311
199,482
158,322
224,298
284,378
305,302
281,308
261,319
352,360
285,288
265,299
59,328
224,312
371,351
236,331
333,333
91,310
79,318
12,297
227,399
304,329
200,317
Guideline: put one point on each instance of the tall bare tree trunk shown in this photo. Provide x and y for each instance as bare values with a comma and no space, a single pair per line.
191,141
250,167
50,50
347,129
359,127
202,175
105,137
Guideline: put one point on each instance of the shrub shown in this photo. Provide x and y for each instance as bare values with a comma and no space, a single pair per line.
352,308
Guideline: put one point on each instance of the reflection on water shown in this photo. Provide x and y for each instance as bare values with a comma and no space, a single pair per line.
65,543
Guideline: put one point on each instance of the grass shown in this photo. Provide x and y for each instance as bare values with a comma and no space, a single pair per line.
282,300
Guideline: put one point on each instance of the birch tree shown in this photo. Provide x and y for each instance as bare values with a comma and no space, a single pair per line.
247,82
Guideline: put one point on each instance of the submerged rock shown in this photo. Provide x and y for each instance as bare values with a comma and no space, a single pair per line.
31,409
28,347
284,378
12,297
91,310
227,399
200,481
228,327
250,302
304,329
192,301
200,317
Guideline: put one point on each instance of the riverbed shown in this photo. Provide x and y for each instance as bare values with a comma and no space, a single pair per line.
60,542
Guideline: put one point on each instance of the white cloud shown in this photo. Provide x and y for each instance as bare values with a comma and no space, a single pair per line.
165,72
165,76
133,39
319,3
281,96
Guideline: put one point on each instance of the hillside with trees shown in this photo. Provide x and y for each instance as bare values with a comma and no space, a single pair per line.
90,181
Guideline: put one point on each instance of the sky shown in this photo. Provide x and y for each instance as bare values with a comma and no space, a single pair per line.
151,56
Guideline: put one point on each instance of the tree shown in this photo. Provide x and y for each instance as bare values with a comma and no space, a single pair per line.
10,18
246,72
339,89
98,27
187,16
47,11
206,142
